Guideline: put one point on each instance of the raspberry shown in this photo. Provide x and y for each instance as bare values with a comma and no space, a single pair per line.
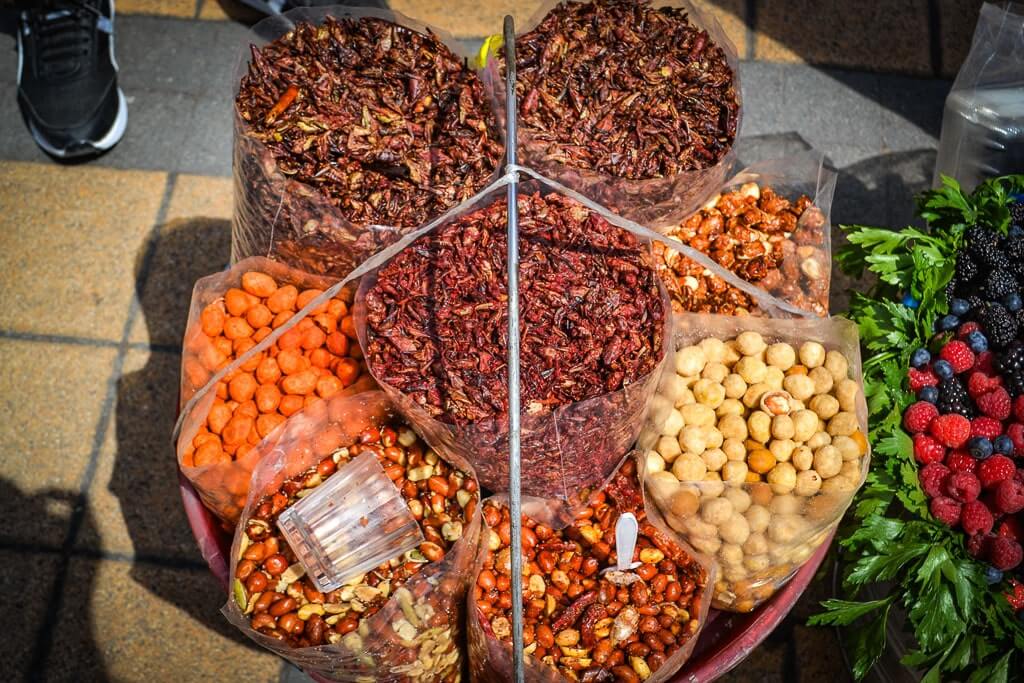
979,383
951,430
1016,595
975,518
986,362
1012,527
995,403
933,479
994,470
927,450
1004,553
959,355
922,378
977,545
966,329
1016,433
960,460
1018,408
946,510
963,486
986,426
1009,496
918,416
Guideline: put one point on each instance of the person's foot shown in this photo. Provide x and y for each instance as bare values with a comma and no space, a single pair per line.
67,77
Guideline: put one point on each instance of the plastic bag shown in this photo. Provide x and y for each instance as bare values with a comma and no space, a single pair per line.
656,202
293,221
222,483
983,122
756,474
740,227
491,658
414,637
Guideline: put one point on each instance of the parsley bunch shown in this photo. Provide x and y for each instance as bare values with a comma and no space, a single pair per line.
963,627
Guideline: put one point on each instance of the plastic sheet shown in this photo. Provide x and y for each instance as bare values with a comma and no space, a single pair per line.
656,202
491,659
414,638
278,217
759,532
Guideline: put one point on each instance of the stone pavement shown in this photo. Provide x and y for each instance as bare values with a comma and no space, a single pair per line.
99,571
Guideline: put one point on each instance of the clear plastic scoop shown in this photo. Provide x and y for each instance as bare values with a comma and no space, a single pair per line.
626,531
356,520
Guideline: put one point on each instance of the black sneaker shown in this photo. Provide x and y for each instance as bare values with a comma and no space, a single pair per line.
67,77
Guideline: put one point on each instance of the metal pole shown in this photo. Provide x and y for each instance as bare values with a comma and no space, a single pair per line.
515,502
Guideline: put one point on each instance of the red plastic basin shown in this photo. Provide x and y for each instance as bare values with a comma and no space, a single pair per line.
726,640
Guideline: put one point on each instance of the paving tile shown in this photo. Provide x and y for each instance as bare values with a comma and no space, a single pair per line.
156,138
880,36
194,242
161,53
168,8
52,399
957,19
24,595
8,52
764,104
134,503
819,654
209,134
71,238
765,664
125,622
228,9
468,18
832,106
732,16
911,122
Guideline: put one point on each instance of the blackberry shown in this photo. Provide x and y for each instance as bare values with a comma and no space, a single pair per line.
953,398
1000,325
1010,364
1013,247
1017,214
983,245
966,271
1000,283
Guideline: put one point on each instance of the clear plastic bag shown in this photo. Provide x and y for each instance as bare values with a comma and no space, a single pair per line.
656,202
706,438
223,485
491,659
415,635
757,234
282,218
983,122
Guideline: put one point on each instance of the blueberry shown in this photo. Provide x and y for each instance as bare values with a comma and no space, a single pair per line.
928,394
943,369
980,447
920,358
1013,302
959,307
1003,444
910,302
947,323
1016,232
976,340
993,575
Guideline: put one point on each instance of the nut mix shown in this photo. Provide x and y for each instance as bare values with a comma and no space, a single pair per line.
589,624
755,449
386,125
315,359
625,89
593,319
762,237
279,601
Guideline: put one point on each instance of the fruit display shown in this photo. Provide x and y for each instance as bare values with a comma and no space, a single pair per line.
941,518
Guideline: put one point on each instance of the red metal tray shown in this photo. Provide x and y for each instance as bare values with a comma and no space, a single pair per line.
726,640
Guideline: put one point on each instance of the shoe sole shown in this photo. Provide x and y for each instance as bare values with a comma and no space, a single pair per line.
85,147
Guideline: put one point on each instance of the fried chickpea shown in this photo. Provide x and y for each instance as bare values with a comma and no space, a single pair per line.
850,470
752,396
808,483
714,349
712,486
734,472
734,449
653,462
761,461
690,360
786,528
673,424
759,426
684,502
733,427
750,343
716,372
713,438
782,427
695,525
837,365
756,543
843,424
840,485
758,517
819,439
708,545
805,424
734,386
735,529
827,461
731,555
689,467
698,415
782,478
730,353
730,406
757,563
812,354
752,370
714,459
693,438
782,449
847,447
800,387
668,448
824,406
760,493
847,391
672,387
781,356
773,377
822,379
802,458
709,392
739,498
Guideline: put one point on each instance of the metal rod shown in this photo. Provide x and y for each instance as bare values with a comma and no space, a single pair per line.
514,482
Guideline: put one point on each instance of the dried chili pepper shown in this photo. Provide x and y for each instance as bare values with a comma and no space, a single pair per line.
571,613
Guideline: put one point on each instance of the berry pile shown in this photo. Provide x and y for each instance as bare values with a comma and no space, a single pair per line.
968,422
